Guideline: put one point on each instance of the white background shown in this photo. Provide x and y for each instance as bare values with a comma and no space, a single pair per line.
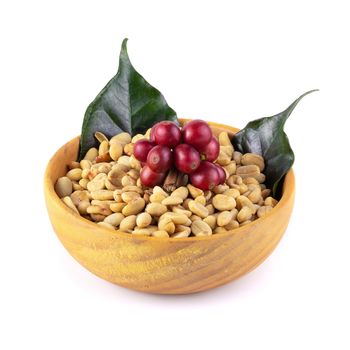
228,61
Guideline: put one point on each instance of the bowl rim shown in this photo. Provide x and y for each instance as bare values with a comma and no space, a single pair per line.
288,190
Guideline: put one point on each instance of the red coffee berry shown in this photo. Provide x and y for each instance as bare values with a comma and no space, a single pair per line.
206,176
141,149
160,159
211,150
150,178
187,158
151,135
197,133
166,133
222,174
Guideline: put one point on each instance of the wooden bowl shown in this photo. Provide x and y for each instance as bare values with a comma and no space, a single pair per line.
164,265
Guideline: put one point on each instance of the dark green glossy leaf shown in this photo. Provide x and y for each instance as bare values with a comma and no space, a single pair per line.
127,103
266,137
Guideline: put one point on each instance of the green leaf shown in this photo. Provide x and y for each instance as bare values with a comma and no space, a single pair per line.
266,137
127,103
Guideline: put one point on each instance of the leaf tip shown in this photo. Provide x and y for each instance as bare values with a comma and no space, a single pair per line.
124,44
124,56
309,92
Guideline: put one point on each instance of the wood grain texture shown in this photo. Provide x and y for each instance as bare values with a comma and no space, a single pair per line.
164,265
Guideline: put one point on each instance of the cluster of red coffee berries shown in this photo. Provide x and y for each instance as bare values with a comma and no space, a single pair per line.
192,150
